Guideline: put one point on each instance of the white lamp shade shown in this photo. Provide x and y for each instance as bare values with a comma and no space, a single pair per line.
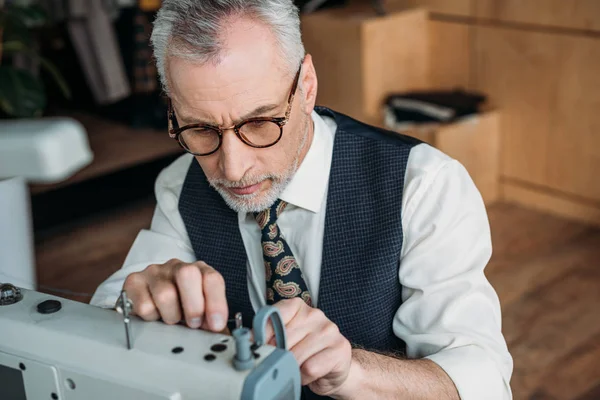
44,150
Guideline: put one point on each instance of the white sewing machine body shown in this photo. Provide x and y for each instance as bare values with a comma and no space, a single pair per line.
80,352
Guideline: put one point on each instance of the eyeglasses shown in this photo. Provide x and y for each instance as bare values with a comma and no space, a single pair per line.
259,132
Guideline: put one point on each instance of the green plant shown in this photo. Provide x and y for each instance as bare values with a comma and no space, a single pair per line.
22,94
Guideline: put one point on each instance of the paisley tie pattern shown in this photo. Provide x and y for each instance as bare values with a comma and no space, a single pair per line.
283,275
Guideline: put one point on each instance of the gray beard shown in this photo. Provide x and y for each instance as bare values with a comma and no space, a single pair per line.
250,203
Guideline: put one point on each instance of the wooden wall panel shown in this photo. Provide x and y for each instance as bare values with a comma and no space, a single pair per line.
450,55
461,8
577,14
335,46
395,57
548,88
361,58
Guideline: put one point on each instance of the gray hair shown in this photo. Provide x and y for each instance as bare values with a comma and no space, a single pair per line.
191,29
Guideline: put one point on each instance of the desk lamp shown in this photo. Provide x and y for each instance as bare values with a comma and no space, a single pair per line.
45,150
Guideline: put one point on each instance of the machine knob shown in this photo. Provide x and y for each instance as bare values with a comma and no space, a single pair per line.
9,294
244,359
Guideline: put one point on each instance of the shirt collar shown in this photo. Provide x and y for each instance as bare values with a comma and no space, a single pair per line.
308,187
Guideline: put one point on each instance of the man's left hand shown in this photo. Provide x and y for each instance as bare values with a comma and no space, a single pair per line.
324,355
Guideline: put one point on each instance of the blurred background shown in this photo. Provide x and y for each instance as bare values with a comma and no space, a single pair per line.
510,88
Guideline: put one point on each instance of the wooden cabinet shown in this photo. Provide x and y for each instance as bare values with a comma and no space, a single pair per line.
538,62
360,58
574,14
450,56
549,94
461,8
475,143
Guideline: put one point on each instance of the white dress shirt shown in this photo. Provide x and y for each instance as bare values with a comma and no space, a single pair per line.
450,312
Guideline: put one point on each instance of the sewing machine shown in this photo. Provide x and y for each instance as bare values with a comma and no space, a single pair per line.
55,348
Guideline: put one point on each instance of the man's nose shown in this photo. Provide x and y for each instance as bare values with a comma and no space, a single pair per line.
236,156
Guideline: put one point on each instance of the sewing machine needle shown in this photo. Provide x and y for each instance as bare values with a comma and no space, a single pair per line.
128,333
238,320
126,308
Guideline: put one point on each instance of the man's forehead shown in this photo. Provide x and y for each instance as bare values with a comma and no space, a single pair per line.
207,94
248,73
219,81
249,51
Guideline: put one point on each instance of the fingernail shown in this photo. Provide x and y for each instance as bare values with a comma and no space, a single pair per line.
195,323
217,321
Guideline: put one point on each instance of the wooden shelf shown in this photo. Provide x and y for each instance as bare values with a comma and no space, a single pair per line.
116,146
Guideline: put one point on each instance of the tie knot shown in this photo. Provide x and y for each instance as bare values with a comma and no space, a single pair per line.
270,215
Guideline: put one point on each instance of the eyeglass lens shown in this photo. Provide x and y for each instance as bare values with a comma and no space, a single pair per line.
203,140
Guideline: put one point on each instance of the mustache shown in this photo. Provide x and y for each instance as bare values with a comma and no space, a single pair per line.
244,182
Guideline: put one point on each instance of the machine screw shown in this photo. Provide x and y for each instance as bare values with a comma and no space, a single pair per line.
9,294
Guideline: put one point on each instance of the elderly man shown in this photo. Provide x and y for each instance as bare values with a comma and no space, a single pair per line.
371,244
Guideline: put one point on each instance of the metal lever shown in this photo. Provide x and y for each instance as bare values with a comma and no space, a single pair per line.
124,306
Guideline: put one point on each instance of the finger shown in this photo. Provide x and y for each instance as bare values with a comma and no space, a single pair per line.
289,310
164,294
189,282
216,310
168,269
297,329
136,287
327,363
315,342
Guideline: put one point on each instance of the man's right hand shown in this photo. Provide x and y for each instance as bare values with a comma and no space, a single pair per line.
176,290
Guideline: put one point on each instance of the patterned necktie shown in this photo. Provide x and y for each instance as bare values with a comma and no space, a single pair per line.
283,275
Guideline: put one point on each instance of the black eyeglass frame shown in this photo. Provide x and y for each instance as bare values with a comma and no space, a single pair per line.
175,131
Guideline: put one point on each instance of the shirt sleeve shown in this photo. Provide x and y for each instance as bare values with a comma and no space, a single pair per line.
167,237
450,312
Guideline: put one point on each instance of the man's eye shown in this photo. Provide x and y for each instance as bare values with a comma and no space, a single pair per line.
256,124
202,132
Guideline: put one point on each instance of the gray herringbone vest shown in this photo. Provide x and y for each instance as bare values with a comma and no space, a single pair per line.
359,287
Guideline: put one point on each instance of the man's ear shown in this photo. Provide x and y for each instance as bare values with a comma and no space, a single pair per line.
309,84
